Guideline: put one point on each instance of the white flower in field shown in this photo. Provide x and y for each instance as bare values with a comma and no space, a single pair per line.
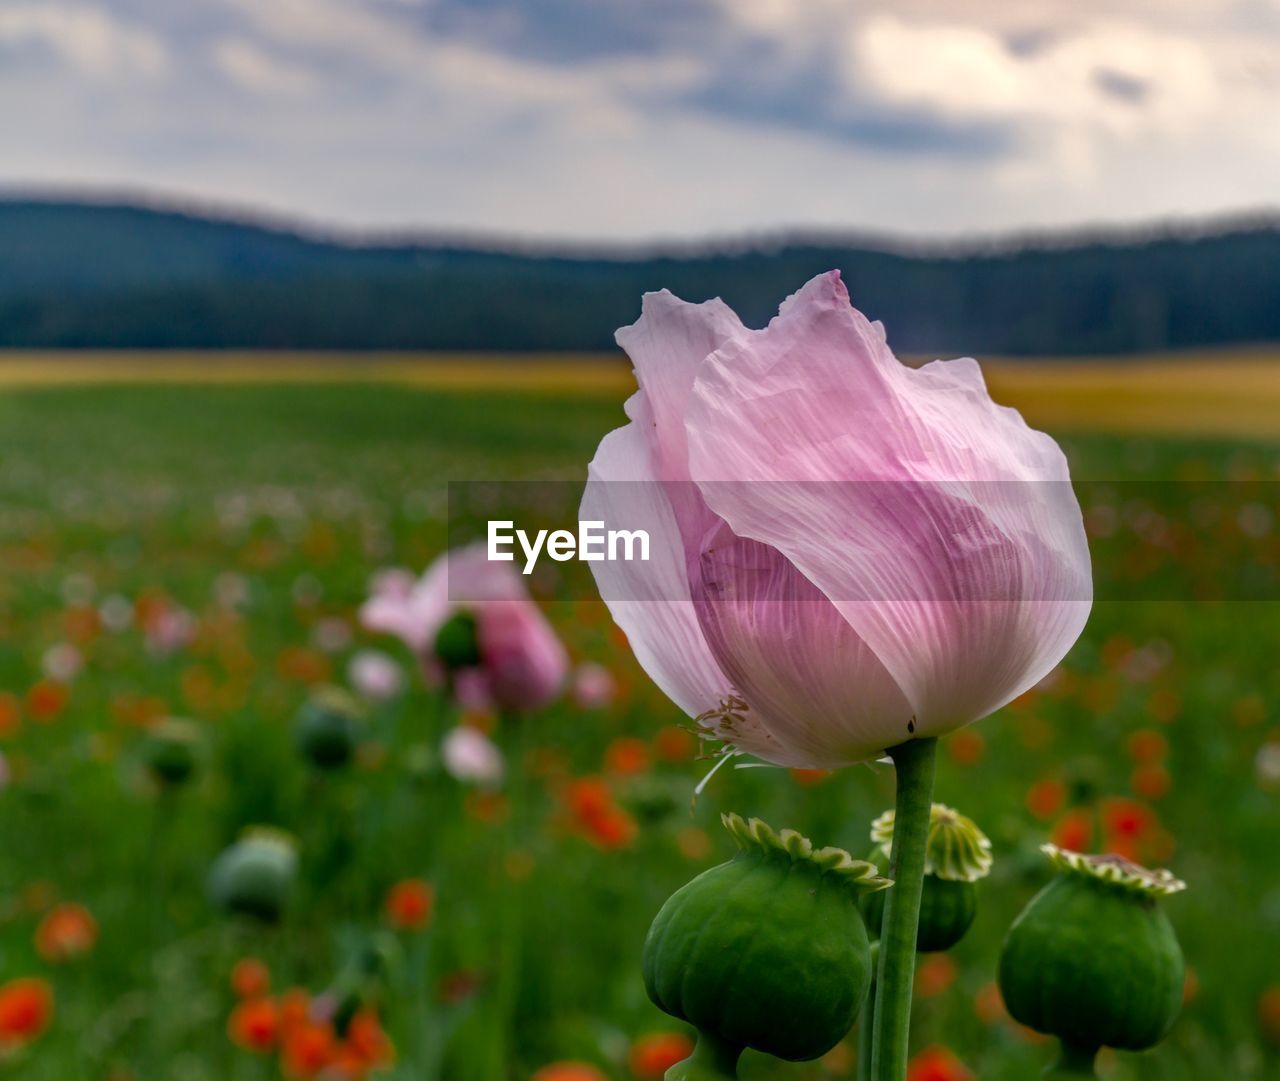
116,613
375,676
231,590
1267,765
62,662
469,755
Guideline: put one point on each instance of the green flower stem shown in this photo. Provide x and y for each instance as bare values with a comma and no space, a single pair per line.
1073,1064
868,1020
712,1060
914,762
510,930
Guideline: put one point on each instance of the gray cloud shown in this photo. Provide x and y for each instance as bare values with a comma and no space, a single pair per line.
599,118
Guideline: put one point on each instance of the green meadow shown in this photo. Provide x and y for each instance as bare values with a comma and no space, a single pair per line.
252,514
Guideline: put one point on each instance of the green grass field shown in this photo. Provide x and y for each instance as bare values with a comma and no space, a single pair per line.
263,509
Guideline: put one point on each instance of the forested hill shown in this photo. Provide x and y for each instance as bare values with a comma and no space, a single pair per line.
83,275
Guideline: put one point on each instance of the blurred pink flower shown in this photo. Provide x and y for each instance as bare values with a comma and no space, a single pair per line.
522,664
374,675
470,756
62,662
169,630
845,552
593,686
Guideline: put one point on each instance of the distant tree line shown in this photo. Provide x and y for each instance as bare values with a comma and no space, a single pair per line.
83,275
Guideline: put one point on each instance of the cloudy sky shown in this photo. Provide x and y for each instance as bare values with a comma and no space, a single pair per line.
624,119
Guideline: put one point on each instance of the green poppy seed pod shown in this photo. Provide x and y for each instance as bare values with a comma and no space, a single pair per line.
327,728
1092,959
171,752
254,876
457,643
957,856
767,951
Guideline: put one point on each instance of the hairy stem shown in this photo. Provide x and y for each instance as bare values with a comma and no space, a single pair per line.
914,762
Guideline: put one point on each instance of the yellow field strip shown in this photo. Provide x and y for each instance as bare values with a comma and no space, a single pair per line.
550,373
1224,393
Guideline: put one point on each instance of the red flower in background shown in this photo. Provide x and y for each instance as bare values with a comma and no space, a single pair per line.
26,1009
1046,798
653,1055
569,1071
1269,1015
594,813
409,904
937,1063
626,756
1074,831
255,1025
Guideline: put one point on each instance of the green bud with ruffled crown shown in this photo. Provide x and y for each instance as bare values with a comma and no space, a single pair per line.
327,729
171,752
767,951
1093,959
254,876
957,856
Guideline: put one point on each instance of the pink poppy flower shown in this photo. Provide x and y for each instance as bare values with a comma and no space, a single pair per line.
593,686
845,553
513,659
374,675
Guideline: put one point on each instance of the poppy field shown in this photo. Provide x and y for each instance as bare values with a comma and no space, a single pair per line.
241,836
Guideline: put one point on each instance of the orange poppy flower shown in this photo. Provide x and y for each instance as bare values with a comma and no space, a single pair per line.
46,699
1126,818
409,904
1046,797
1151,781
612,829
936,973
653,1055
1074,831
627,756
367,1043
937,1064
1147,745
307,1050
295,1010
254,1025
967,747
67,931
1269,1015
569,1071
250,978
10,714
